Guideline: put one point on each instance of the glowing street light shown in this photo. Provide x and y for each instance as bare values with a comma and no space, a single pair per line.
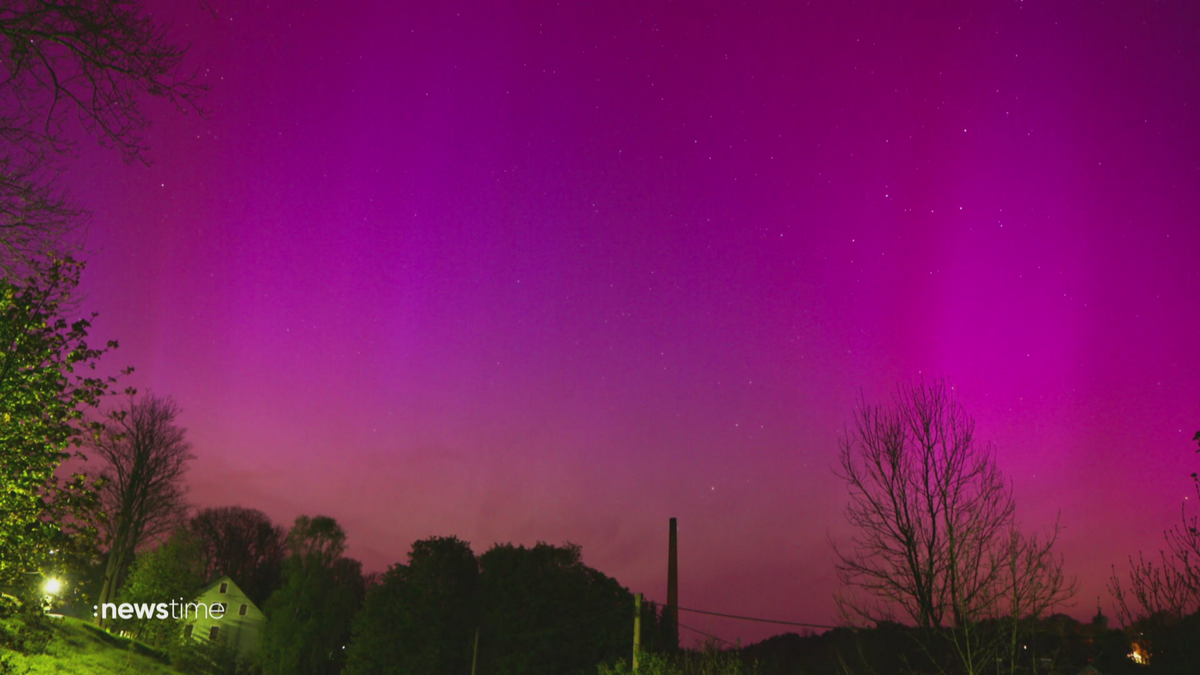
50,589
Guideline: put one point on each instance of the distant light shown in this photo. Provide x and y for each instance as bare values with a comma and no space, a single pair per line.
1139,653
52,586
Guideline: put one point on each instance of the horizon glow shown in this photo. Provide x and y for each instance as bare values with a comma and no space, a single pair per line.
519,273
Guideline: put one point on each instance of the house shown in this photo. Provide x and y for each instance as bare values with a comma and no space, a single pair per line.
241,624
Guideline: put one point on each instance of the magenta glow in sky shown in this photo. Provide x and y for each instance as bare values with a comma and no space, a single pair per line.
524,272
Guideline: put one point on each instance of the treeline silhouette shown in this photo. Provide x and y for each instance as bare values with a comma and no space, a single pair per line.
512,609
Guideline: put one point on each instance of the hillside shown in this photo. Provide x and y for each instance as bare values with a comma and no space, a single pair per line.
79,647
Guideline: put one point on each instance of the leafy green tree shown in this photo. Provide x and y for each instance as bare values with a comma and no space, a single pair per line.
75,555
421,617
47,383
309,617
173,571
65,62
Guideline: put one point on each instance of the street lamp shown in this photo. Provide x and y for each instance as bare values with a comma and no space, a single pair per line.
49,590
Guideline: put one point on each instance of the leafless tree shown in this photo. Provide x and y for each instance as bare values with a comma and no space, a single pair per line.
38,220
87,60
242,543
1031,583
146,454
1166,589
935,541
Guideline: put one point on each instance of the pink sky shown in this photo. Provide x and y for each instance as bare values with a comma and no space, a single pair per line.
519,272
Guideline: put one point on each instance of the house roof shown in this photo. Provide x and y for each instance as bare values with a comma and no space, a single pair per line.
229,580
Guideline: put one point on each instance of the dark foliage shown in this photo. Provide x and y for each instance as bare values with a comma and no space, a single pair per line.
244,544
422,616
537,610
547,612
23,627
1056,644
309,617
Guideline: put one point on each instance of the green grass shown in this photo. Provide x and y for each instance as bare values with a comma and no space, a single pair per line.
80,647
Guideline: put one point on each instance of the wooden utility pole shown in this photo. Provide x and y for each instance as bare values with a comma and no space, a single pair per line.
637,630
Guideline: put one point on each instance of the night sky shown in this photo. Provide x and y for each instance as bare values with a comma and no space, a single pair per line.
522,272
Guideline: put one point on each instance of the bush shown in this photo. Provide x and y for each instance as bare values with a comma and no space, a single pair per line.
196,657
7,667
26,631
710,661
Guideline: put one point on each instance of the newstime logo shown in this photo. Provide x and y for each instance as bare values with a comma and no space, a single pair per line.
162,610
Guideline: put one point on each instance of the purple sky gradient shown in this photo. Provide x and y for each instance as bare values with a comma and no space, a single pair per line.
521,272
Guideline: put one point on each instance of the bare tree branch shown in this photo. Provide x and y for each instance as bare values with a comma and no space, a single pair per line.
92,60
935,540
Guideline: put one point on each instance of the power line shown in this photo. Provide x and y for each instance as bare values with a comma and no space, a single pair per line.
751,618
707,635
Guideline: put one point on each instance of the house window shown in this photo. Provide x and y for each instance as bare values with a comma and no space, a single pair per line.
242,610
224,588
187,630
212,632
224,607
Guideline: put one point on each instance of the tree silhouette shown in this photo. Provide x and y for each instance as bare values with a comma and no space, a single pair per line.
1160,595
547,612
935,539
536,610
86,60
422,616
308,618
242,543
145,455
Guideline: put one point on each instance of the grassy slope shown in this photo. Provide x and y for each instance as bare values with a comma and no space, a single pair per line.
79,647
